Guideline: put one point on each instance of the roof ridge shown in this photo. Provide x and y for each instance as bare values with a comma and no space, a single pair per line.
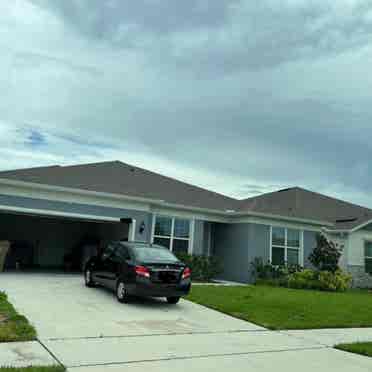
269,193
89,164
178,180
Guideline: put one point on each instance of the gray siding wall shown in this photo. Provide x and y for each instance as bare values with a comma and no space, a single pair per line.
207,238
309,245
237,245
231,247
258,244
142,217
202,238
198,238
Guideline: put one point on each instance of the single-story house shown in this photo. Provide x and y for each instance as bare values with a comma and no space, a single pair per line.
47,212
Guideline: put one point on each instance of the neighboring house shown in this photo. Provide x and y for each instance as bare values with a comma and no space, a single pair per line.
49,211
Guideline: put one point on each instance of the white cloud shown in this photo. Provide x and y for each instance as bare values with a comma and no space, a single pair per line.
225,95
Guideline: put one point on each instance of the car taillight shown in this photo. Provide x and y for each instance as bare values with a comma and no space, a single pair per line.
143,271
186,273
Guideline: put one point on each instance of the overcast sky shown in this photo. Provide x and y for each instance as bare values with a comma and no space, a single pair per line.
238,96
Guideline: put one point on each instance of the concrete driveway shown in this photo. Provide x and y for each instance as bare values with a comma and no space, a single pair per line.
88,330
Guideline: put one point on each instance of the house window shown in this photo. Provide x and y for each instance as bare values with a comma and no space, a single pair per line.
368,257
173,234
285,246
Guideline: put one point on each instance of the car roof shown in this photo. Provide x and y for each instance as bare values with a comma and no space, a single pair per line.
134,244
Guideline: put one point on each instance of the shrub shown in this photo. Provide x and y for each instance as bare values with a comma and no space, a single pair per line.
325,255
203,268
273,275
321,280
306,279
261,271
337,281
274,282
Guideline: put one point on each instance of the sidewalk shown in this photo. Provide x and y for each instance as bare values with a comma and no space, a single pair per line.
333,337
25,354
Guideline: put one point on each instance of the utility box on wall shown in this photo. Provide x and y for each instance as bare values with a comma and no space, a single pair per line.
4,248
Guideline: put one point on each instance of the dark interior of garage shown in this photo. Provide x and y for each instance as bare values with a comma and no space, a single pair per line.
50,243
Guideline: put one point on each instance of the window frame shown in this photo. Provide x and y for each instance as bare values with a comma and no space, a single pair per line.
286,247
366,257
172,236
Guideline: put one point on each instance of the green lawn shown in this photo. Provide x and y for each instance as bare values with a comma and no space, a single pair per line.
13,327
357,348
33,369
283,308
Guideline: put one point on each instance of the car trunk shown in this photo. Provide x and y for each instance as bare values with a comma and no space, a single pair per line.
165,273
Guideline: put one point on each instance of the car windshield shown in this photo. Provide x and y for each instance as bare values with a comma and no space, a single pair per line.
153,254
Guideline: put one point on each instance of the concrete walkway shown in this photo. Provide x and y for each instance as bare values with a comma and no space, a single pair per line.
333,337
24,354
88,330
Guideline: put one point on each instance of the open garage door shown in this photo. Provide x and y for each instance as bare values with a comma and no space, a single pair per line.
55,240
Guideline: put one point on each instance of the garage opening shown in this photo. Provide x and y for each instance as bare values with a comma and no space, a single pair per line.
39,242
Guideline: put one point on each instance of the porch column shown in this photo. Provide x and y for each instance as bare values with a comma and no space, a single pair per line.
4,248
132,231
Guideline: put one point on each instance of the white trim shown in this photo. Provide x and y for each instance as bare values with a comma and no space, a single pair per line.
132,231
192,232
153,228
279,223
361,226
271,245
356,228
45,212
172,237
302,251
364,253
254,217
209,238
286,246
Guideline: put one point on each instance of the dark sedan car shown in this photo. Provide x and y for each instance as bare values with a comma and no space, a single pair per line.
139,269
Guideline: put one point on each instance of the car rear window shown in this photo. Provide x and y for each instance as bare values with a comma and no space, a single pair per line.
153,254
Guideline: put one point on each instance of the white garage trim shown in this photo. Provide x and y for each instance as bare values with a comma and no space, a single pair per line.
45,212
132,231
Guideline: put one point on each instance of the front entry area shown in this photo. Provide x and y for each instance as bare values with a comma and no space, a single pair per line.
55,243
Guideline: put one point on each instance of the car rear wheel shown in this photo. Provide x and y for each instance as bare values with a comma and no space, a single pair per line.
88,279
121,292
173,300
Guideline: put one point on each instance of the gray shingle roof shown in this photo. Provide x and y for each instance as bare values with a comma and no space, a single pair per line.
300,203
124,179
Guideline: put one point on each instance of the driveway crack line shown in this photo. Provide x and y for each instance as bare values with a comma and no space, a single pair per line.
156,334
205,356
50,353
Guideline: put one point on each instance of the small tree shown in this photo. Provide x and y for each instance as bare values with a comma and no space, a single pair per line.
325,255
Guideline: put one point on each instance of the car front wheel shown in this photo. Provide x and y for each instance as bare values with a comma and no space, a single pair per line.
121,292
88,279
173,300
